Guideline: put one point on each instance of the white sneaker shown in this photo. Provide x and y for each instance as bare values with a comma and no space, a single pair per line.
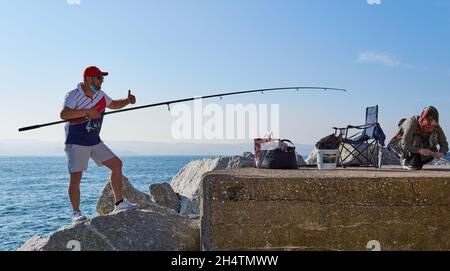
77,216
125,205
410,168
406,166
403,162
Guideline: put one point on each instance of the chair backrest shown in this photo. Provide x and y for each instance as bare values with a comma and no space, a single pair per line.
371,119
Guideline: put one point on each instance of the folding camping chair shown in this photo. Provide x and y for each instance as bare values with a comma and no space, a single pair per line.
364,145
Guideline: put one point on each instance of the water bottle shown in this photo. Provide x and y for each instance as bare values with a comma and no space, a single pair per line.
380,157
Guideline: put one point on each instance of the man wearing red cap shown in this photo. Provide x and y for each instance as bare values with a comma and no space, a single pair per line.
85,107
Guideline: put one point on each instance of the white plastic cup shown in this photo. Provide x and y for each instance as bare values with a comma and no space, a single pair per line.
327,159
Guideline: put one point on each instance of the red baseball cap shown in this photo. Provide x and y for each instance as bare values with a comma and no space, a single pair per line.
93,71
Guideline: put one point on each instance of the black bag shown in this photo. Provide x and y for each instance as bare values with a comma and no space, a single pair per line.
330,142
281,159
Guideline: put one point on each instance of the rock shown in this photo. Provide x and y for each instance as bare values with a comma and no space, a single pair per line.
248,155
187,182
312,157
36,243
105,203
234,162
389,158
189,208
300,160
163,194
154,229
440,162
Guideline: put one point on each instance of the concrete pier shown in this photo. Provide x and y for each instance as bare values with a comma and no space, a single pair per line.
308,209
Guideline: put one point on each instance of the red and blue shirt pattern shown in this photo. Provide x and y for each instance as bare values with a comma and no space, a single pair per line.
85,132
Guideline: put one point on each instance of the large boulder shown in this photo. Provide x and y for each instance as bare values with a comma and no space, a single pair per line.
187,182
388,158
163,194
189,208
105,203
36,243
154,229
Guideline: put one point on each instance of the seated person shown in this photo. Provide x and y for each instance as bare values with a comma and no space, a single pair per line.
417,139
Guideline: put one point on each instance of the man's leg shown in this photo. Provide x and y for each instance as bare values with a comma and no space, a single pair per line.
413,161
417,161
115,165
74,190
77,160
103,156
425,160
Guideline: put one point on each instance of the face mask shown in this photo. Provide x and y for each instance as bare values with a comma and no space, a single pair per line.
92,88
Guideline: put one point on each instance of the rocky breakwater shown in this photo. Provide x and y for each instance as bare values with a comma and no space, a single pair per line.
150,228
167,218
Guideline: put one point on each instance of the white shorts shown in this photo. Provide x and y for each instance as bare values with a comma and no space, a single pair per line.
78,156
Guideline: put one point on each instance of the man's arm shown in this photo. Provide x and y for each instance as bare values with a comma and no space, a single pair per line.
68,113
119,104
407,141
442,141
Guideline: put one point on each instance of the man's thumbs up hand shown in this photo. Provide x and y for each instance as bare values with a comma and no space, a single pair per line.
131,97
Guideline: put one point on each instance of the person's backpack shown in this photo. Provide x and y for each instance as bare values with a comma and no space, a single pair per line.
400,123
281,158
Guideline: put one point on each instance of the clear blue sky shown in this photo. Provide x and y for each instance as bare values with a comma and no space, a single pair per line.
395,54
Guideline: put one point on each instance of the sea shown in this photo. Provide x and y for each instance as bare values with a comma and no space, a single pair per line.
33,191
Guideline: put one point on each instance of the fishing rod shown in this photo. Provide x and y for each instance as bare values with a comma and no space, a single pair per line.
168,103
